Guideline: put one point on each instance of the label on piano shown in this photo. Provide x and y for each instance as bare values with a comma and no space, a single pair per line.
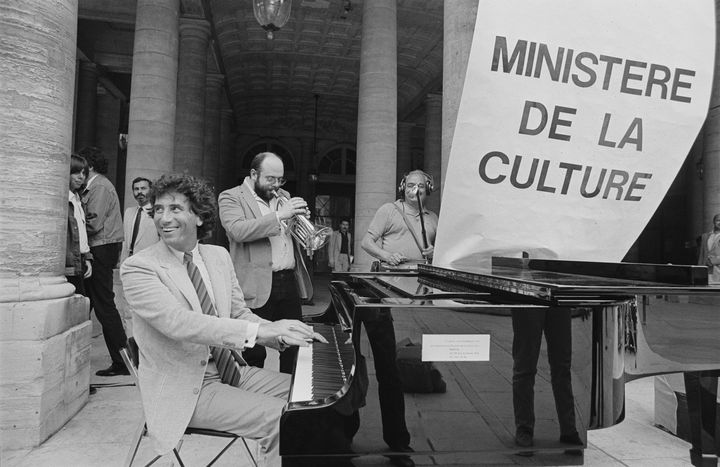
455,347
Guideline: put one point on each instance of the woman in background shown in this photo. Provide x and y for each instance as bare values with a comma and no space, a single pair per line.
78,259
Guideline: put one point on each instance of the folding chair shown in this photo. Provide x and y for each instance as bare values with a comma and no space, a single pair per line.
131,359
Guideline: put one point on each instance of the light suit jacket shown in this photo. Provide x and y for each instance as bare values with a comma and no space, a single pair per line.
705,251
334,247
146,236
248,231
173,334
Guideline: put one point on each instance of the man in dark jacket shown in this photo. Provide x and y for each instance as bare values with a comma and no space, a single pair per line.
105,235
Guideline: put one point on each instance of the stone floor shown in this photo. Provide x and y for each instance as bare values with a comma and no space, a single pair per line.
100,434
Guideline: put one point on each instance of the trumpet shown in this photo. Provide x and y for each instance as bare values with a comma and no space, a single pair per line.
310,236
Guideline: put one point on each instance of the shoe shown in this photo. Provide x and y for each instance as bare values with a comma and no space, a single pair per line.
572,439
402,461
573,452
92,390
113,370
523,439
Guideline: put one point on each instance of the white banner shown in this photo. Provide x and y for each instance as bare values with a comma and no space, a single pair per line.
574,120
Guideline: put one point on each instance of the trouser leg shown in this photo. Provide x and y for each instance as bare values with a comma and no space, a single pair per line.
284,303
527,334
558,335
102,298
381,335
251,410
79,284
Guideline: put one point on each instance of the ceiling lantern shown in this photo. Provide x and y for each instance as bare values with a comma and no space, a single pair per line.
271,14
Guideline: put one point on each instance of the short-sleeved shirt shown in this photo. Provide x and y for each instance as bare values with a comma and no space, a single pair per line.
390,232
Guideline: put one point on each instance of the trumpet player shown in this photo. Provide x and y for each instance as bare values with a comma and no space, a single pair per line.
268,265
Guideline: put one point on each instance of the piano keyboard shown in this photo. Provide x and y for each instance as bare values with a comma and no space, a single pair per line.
322,370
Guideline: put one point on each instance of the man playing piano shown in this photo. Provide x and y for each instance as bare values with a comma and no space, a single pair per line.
187,302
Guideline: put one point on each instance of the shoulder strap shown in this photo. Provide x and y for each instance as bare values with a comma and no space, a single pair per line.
407,224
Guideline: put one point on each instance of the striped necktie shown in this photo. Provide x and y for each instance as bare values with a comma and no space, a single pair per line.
228,361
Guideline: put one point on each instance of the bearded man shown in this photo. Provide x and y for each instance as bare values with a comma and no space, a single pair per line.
269,267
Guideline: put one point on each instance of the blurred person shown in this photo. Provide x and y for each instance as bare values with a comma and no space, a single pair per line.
710,251
340,248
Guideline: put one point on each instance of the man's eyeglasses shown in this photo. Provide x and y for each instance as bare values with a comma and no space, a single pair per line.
420,186
273,180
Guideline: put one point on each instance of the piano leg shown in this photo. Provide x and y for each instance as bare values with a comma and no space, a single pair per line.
704,418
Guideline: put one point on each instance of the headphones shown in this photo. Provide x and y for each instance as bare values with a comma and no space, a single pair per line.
429,182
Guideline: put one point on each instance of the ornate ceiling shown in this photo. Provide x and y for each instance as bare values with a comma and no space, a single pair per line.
274,82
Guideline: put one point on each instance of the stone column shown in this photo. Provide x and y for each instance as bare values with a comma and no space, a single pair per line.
86,105
433,147
107,131
694,196
189,120
44,326
228,177
211,152
151,127
377,118
458,29
404,153
711,136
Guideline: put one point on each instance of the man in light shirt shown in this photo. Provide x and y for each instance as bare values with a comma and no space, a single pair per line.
270,269
138,227
176,319
710,251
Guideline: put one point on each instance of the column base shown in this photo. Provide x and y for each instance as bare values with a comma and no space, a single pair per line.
44,367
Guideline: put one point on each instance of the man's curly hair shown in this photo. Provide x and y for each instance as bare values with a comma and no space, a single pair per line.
95,159
198,192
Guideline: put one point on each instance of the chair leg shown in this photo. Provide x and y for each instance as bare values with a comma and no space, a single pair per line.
177,456
249,453
152,461
222,452
137,438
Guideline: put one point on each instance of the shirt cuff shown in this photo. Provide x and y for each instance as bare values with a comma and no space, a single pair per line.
251,334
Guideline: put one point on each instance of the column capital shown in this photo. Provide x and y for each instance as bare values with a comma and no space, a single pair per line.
191,27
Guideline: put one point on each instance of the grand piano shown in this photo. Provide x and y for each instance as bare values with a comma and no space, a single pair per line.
625,321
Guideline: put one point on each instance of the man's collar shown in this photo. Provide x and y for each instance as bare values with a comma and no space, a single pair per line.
248,183
411,210
180,254
90,180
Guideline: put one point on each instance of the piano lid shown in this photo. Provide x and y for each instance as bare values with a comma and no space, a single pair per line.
551,280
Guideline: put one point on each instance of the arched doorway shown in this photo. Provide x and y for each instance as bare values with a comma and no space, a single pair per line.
335,192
